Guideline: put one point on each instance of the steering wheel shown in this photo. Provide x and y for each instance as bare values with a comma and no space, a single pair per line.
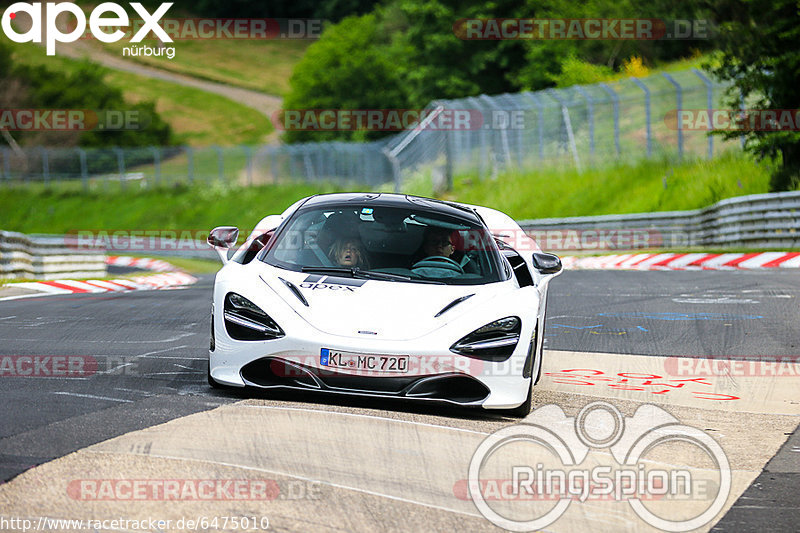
439,261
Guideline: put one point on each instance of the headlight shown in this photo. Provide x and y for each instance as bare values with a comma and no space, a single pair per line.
245,321
494,341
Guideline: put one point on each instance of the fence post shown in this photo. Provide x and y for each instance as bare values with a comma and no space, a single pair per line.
291,163
157,164
395,167
121,165
84,169
741,108
590,113
709,104
248,152
539,121
273,165
503,130
190,164
615,102
646,90
511,107
679,104
45,165
483,154
308,167
6,166
568,126
220,164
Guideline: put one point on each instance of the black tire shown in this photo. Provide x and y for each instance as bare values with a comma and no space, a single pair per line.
541,361
213,384
525,409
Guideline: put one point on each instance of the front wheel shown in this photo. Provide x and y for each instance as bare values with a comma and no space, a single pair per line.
525,409
213,384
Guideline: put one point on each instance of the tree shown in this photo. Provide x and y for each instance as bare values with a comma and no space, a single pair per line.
761,56
348,68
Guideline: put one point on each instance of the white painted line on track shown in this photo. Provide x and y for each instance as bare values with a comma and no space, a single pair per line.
92,396
164,350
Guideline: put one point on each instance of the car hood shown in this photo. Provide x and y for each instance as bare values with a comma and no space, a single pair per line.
388,310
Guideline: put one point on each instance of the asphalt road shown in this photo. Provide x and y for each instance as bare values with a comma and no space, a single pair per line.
147,352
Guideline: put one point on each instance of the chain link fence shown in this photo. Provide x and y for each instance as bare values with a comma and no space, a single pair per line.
580,126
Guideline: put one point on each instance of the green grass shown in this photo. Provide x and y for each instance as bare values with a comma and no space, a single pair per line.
617,189
198,118
197,208
194,266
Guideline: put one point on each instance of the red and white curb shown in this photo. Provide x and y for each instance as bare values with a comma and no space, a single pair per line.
688,261
168,277
145,263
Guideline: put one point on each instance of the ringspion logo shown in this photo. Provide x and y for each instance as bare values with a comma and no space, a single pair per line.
106,15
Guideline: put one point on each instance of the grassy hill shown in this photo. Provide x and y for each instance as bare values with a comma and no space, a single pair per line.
264,66
197,117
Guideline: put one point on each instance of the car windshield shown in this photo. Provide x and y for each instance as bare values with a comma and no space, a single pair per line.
403,244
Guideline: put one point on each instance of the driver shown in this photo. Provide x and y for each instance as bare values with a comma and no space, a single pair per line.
438,242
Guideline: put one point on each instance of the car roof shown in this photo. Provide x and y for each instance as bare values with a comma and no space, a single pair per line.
391,200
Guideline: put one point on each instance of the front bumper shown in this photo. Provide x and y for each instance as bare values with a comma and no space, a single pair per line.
454,388
437,376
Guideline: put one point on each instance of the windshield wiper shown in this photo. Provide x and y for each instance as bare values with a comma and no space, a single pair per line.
356,272
370,274
326,270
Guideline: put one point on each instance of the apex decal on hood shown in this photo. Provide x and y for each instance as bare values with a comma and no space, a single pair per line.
316,281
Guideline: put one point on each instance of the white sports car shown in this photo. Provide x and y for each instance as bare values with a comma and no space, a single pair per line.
383,295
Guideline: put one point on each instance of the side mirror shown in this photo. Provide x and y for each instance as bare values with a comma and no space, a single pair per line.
546,263
222,239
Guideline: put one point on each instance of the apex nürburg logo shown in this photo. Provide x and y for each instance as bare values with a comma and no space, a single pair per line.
107,15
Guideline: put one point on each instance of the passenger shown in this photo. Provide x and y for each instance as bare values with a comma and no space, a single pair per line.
349,253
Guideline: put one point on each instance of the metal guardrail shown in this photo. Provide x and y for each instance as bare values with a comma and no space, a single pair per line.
23,256
753,221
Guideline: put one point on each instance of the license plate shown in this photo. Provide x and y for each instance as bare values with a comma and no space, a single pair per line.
387,364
